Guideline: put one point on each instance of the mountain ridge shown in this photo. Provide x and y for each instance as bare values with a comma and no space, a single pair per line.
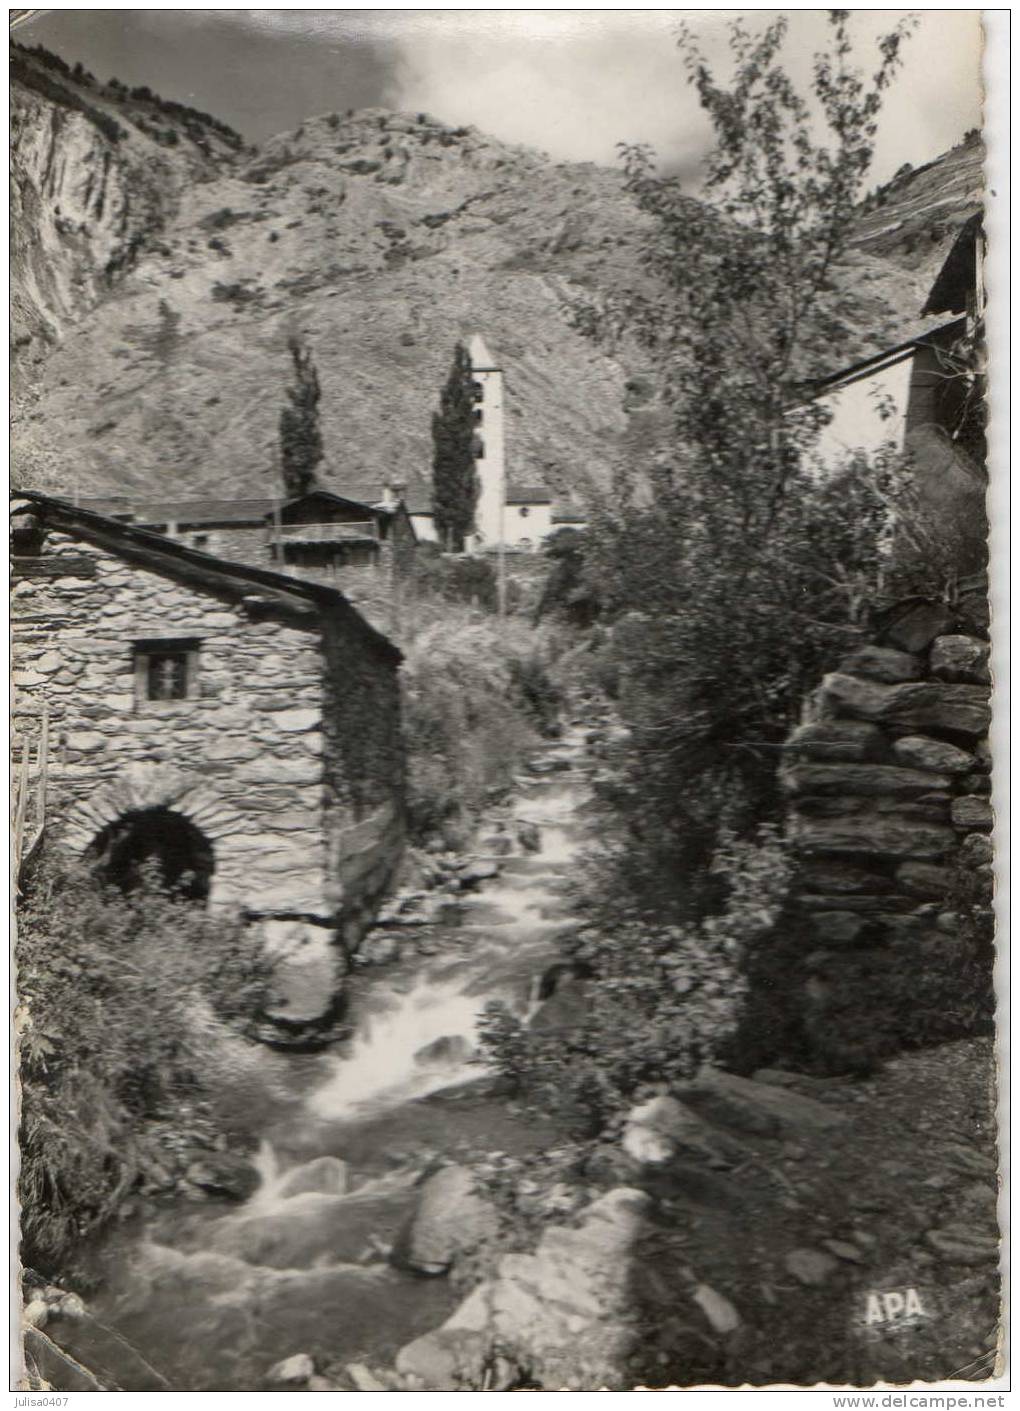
151,338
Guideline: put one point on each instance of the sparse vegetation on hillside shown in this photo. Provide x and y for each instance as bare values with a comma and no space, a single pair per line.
48,87
466,209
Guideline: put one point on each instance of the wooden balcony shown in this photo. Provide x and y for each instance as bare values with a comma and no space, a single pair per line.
343,532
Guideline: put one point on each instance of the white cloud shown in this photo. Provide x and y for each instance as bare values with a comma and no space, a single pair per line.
576,82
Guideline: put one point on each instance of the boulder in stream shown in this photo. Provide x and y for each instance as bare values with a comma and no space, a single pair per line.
478,871
567,1304
451,1359
449,1048
529,837
326,1175
224,1173
496,844
292,1371
662,1128
451,1219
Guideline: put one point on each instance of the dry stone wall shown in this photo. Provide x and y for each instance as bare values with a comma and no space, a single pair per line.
889,784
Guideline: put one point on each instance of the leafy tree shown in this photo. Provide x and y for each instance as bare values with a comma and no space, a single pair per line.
567,591
300,436
748,573
454,479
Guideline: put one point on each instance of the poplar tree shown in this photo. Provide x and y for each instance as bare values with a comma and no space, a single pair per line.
454,479
300,436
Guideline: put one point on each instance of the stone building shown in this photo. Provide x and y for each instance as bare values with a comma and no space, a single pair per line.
238,726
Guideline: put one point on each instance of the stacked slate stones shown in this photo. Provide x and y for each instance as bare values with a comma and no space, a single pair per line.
889,784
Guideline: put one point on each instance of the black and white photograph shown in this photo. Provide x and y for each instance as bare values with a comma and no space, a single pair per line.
506,538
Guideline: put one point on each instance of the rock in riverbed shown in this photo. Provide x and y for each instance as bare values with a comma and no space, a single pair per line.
451,1219
450,1048
292,1371
224,1173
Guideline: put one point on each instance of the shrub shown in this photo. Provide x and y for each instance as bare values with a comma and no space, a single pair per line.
124,1002
458,579
477,692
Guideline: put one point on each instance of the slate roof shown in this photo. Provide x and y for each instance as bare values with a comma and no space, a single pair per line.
291,597
203,512
197,513
568,514
955,280
877,361
528,495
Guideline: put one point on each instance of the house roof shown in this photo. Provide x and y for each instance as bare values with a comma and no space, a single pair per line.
568,514
957,279
183,512
528,495
368,491
202,512
886,358
290,597
319,494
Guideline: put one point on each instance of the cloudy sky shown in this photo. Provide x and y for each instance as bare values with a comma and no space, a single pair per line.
570,82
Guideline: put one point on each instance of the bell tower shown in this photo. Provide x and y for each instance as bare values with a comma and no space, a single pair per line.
490,452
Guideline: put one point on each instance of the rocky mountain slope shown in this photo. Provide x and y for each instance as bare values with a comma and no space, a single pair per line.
157,278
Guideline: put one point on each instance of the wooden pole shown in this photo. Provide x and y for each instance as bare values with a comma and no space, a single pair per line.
501,549
19,808
44,764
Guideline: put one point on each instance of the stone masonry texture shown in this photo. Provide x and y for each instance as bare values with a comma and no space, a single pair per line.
888,780
287,759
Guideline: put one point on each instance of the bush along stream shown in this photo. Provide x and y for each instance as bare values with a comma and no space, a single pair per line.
567,1213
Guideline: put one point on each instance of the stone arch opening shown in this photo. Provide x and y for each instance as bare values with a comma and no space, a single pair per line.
159,837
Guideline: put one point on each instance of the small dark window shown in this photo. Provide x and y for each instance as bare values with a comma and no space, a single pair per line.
168,676
479,449
523,511
166,670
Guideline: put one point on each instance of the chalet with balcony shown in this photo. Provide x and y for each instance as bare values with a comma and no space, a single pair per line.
331,535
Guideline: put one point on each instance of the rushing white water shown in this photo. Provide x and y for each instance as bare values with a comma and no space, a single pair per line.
382,1065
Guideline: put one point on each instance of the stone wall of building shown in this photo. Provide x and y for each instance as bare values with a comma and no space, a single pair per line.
364,779
243,760
889,784
257,760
